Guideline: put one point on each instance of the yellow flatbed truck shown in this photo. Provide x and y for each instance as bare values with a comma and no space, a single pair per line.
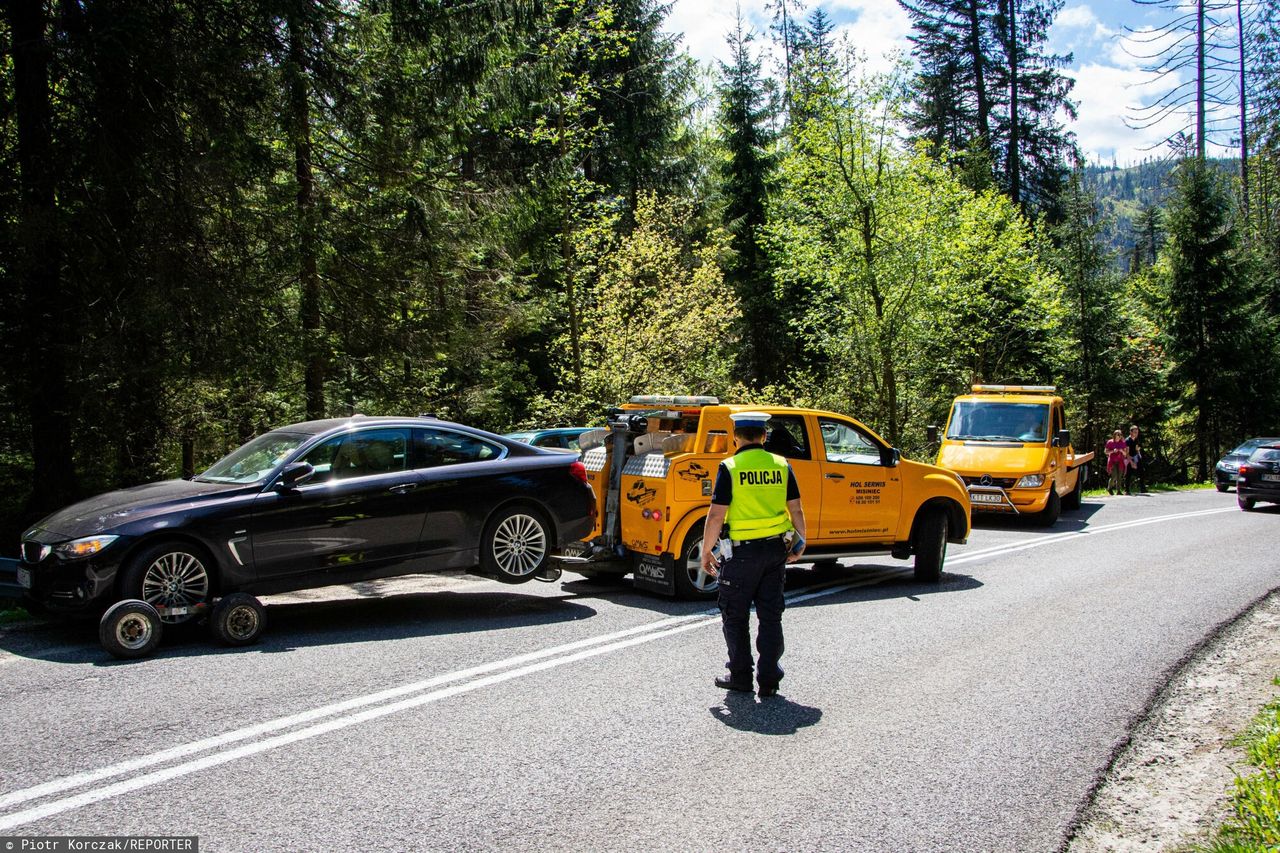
654,467
1011,446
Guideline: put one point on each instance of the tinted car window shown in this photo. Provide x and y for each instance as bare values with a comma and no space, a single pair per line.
359,454
442,447
1266,454
787,437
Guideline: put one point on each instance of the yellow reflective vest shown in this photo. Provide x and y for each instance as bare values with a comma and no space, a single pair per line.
759,504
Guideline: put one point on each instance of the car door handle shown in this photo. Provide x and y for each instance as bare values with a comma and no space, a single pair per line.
403,488
835,476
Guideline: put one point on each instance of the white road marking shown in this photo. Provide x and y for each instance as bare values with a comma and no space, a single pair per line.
671,628
473,678
1055,538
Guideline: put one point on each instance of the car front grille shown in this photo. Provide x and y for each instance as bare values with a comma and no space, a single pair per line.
1001,482
34,552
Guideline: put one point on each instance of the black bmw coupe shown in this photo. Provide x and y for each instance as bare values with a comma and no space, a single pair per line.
313,504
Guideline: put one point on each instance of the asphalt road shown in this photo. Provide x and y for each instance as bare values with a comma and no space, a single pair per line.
455,713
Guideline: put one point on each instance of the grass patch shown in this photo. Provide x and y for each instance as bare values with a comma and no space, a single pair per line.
12,613
1255,799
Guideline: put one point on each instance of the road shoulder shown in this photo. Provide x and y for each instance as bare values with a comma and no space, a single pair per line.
1168,785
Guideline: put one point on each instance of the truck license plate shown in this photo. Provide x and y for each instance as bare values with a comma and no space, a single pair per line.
24,578
986,498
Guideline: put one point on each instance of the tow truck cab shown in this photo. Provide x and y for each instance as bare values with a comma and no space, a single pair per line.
1010,445
653,470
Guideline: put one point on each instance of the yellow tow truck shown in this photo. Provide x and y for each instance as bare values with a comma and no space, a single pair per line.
1011,446
654,467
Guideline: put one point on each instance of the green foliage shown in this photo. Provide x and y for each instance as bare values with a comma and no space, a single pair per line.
659,318
913,284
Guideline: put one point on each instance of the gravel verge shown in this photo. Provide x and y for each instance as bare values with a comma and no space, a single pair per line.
1167,787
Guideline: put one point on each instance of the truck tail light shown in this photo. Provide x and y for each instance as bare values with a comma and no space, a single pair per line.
657,515
578,471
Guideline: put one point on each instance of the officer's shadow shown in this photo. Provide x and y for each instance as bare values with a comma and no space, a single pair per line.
775,716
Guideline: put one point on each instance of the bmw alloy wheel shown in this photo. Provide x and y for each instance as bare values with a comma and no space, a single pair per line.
175,579
519,545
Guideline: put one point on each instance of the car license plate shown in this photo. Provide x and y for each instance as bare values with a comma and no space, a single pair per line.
986,498
1271,478
174,611
24,578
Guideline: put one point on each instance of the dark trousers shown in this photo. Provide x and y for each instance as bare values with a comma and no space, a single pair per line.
755,575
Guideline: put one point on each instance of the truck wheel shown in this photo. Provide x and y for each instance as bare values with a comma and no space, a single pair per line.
238,620
173,577
1052,509
1072,501
692,583
515,545
130,629
930,545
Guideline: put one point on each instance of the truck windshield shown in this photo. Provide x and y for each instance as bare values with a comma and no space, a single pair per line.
973,420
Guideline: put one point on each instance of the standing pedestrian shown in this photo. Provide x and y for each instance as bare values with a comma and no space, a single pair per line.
757,495
1117,462
1136,462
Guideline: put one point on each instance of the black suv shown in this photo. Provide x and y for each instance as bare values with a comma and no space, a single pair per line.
1259,477
313,504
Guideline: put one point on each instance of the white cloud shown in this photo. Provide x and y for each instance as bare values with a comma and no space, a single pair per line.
705,27
1110,80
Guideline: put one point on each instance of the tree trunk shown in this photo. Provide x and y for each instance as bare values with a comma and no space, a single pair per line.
1244,118
979,74
1014,159
308,238
43,327
1200,80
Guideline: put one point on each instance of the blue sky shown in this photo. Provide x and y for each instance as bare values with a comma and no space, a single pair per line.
1109,80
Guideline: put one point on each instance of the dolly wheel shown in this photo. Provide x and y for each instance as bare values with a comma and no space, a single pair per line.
130,629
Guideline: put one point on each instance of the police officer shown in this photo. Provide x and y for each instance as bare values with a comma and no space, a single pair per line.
757,494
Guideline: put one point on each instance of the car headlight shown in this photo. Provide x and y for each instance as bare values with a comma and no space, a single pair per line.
85,546
1031,481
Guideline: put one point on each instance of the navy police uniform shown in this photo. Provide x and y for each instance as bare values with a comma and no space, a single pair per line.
755,486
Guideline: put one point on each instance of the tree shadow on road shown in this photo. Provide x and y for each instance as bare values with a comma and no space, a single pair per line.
775,716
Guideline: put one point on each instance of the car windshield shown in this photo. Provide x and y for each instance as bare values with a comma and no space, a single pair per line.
526,437
974,420
254,461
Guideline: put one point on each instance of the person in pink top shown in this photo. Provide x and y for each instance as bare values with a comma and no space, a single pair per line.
1117,458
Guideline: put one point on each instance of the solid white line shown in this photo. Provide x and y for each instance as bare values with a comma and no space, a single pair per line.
67,783
156,777
522,665
1054,539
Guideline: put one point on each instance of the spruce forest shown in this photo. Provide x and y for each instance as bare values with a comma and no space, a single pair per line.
223,216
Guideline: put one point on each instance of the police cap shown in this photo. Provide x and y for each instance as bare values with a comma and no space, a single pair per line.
746,420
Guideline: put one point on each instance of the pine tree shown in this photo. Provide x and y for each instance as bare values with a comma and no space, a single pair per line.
746,172
1211,316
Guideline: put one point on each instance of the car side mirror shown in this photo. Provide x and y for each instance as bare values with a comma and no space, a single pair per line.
931,433
295,474
1062,438
889,457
